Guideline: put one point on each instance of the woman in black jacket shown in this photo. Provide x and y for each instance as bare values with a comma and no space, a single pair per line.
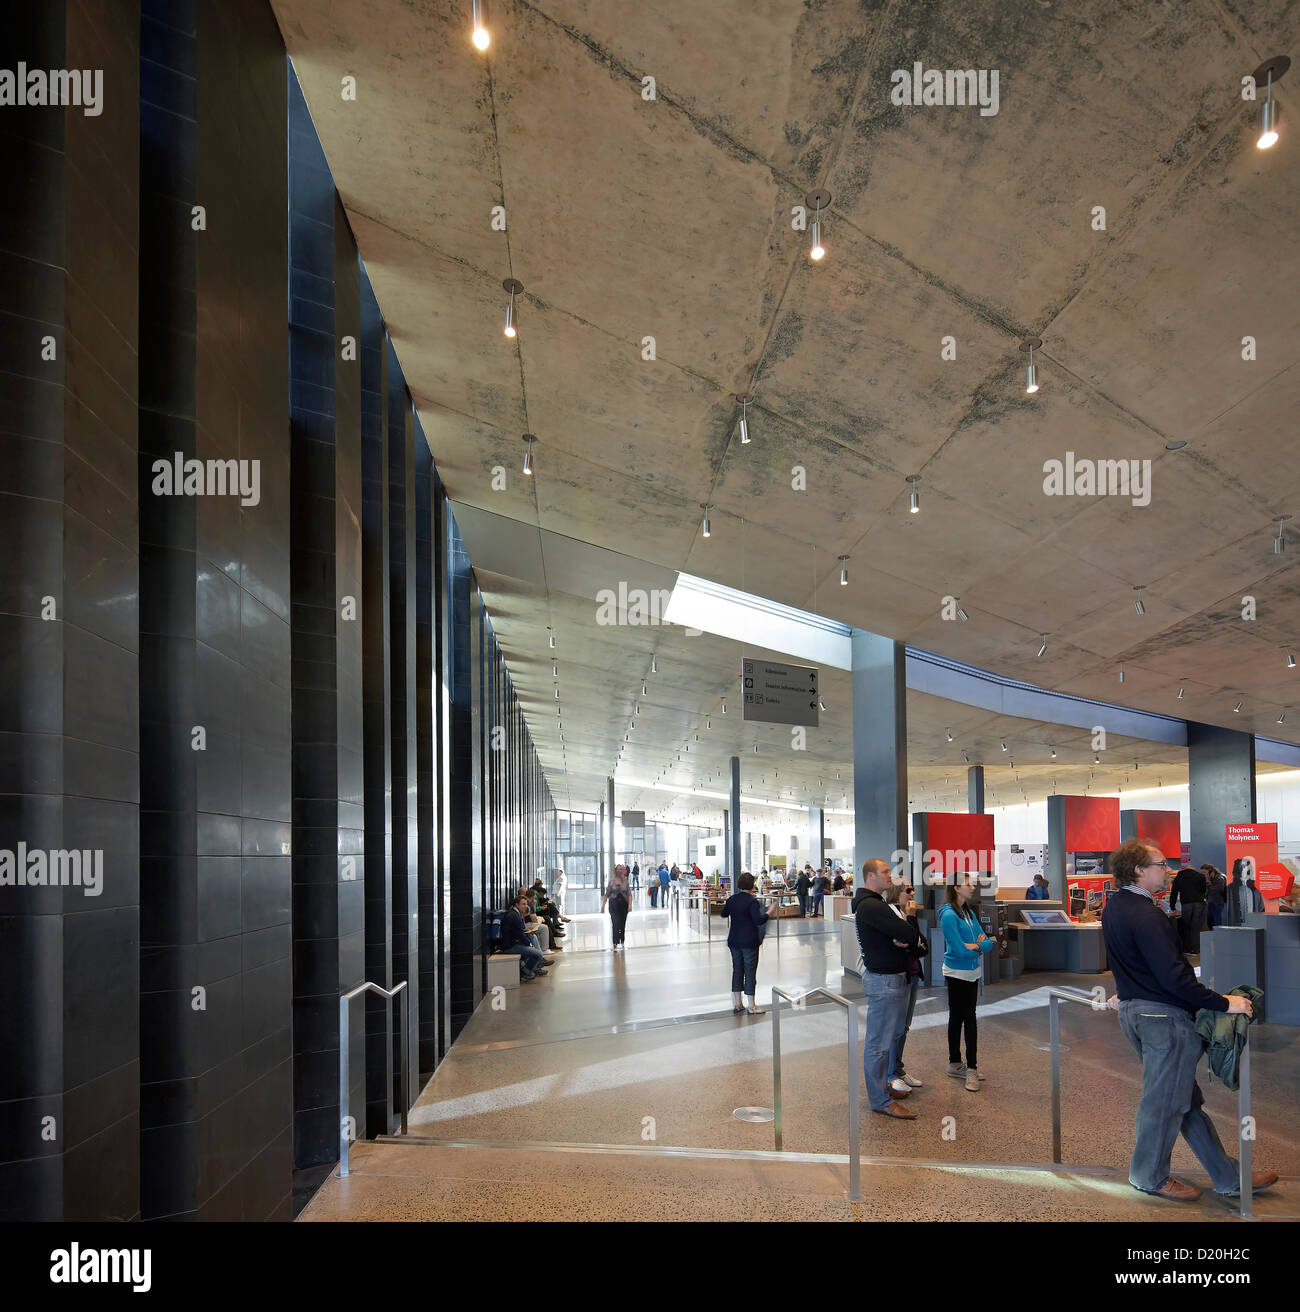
747,917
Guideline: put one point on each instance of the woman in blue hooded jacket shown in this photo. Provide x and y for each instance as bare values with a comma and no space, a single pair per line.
963,968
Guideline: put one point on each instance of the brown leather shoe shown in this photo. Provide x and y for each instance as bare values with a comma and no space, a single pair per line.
1176,1191
897,1112
898,1093
1258,1180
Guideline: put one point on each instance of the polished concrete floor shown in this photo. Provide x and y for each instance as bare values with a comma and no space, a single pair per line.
636,1054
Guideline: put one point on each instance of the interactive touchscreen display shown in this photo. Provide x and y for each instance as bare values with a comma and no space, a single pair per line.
1044,917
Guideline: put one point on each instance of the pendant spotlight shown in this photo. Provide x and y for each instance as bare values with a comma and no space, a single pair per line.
1042,638
949,733
557,694
1290,660
1121,671
724,706
914,501
817,201
1053,753
844,571
480,37
704,526
654,664
1182,688
1237,709
555,670
1281,717
1004,747
1279,542
1031,344
529,439
551,632
744,400
1137,605
1096,760
1267,73
961,614
514,287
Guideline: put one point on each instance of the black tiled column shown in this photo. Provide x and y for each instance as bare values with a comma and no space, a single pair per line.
328,757
428,814
215,964
69,664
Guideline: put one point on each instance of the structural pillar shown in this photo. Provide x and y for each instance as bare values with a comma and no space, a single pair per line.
609,811
600,847
733,824
879,747
975,790
726,843
1220,788
817,834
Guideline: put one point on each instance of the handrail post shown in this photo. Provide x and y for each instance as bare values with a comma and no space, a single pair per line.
404,1008
344,1136
855,1139
1054,1022
1245,1143
777,996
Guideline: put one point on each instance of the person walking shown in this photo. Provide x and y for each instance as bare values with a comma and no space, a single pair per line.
801,886
1187,897
746,917
904,906
883,939
636,876
820,887
1216,895
618,897
963,968
1157,996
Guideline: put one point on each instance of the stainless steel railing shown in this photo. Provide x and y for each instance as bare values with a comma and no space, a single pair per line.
399,992
1245,1142
851,1011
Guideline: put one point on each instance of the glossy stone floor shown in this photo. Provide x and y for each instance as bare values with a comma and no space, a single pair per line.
640,1051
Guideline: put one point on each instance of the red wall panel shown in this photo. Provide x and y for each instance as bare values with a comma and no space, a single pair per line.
1092,824
1161,827
951,834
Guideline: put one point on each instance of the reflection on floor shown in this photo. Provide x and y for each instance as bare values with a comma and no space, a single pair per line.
640,1051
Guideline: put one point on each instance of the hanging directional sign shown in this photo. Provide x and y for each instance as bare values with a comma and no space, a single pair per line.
779,694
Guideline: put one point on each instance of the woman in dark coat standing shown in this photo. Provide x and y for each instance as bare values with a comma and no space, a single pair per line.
618,897
747,917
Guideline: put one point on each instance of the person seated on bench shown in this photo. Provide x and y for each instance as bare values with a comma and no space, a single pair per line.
548,912
514,938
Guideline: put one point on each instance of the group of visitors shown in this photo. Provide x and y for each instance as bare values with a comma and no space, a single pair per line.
811,887
530,910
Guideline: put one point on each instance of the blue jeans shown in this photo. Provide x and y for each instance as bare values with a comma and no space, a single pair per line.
744,968
530,958
886,1008
904,1024
1171,1101
817,903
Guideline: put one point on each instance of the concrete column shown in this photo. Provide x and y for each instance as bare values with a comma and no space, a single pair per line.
975,790
726,843
817,834
609,811
879,747
1221,788
601,873
733,831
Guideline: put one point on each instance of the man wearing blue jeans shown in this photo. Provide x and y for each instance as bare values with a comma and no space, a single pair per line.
514,938
1158,995
884,939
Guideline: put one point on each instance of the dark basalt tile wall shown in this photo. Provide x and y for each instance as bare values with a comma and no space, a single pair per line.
215,964
69,605
273,714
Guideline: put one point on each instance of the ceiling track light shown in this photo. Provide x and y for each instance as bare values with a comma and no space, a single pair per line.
1031,344
529,439
1237,709
817,201
514,287
844,571
1268,73
961,614
1279,541
480,35
1137,605
744,400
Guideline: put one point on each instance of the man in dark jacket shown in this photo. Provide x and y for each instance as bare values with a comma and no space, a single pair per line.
514,938
1158,995
801,887
884,939
1187,897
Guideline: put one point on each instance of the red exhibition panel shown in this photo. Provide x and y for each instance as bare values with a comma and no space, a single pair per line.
1092,824
1162,828
1259,842
950,836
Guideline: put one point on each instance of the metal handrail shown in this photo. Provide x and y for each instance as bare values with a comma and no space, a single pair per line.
368,987
1244,1143
855,1144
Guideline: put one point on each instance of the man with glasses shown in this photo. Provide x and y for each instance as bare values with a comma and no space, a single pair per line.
1158,996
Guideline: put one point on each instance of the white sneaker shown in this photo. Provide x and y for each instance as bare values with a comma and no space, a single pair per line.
902,1085
907,1079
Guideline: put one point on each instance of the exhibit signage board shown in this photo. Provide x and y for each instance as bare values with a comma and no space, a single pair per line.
779,694
1258,842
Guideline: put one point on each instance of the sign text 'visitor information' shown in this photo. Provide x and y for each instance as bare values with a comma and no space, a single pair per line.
779,694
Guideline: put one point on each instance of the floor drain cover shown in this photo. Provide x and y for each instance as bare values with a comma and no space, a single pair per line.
755,1115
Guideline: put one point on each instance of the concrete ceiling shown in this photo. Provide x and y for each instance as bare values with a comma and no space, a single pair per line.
670,218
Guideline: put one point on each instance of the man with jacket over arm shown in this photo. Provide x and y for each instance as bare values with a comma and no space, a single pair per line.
1157,996
884,939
